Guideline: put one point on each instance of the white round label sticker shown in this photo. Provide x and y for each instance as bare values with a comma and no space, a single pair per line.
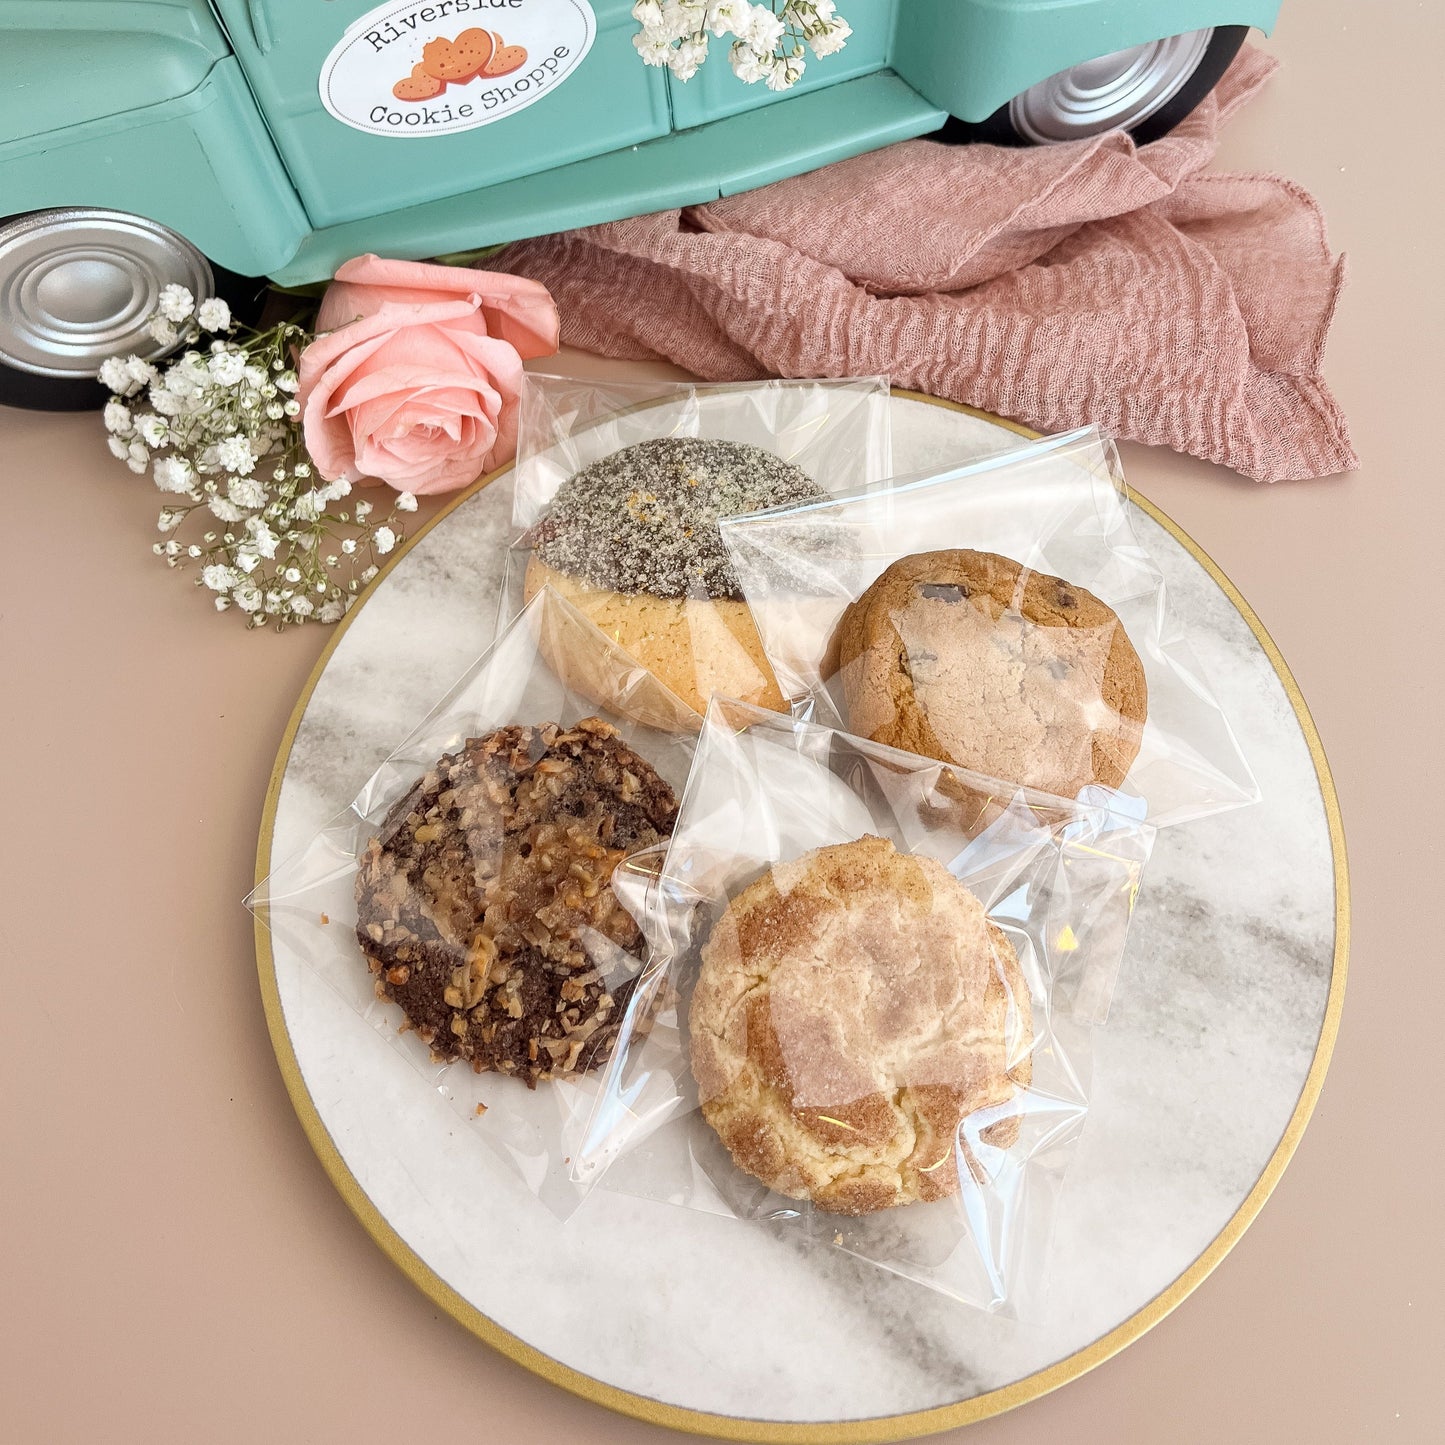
431,67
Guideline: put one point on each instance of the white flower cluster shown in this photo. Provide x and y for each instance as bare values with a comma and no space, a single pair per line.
768,39
278,555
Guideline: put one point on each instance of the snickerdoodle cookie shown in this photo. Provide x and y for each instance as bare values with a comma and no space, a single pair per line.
852,1008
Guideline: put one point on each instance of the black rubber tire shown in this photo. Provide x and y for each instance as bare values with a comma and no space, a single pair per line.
1224,45
31,391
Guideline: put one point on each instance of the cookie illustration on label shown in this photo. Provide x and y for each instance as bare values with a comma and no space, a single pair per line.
457,61
505,58
419,85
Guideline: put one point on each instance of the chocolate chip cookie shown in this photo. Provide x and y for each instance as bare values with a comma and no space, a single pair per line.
974,659
484,903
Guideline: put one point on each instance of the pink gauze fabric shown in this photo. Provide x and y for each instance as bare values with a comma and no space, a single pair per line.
1094,281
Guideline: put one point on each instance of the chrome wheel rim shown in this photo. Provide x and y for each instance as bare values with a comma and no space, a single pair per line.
78,285
1120,89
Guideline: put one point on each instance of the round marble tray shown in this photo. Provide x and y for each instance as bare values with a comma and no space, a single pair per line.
1215,1051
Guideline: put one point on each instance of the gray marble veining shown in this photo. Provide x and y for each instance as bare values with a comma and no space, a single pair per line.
1215,1023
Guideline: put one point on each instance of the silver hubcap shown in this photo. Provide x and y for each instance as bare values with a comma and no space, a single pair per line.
1121,89
77,286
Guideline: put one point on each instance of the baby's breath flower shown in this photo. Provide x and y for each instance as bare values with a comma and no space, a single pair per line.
163,331
142,373
221,408
235,454
652,48
115,377
747,64
214,314
830,38
765,29
228,367
220,578
768,39
175,303
784,73
687,57
368,574
728,17
173,474
225,509
246,492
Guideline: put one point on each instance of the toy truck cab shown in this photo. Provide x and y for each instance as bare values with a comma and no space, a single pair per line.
195,142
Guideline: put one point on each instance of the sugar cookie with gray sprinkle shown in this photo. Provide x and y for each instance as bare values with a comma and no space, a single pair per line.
633,542
482,900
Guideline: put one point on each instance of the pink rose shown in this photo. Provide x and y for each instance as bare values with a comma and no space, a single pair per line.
417,384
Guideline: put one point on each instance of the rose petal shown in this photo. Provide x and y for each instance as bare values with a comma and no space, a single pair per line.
515,309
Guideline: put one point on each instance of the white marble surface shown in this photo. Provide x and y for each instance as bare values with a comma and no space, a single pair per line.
1215,1023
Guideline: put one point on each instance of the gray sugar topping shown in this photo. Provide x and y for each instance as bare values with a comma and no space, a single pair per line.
645,519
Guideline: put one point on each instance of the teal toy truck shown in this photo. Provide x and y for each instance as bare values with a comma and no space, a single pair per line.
144,142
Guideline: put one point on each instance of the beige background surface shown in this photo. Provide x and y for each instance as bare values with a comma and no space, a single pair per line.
175,1266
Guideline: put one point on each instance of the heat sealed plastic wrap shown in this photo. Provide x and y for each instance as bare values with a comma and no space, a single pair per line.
618,493
858,1021
463,902
1002,615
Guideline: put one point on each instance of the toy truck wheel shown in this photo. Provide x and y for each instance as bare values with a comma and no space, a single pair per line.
77,285
1146,90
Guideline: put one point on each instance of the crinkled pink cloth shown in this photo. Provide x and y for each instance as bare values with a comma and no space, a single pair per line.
1087,282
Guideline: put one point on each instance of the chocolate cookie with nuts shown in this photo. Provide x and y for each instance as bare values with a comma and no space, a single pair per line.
485,907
